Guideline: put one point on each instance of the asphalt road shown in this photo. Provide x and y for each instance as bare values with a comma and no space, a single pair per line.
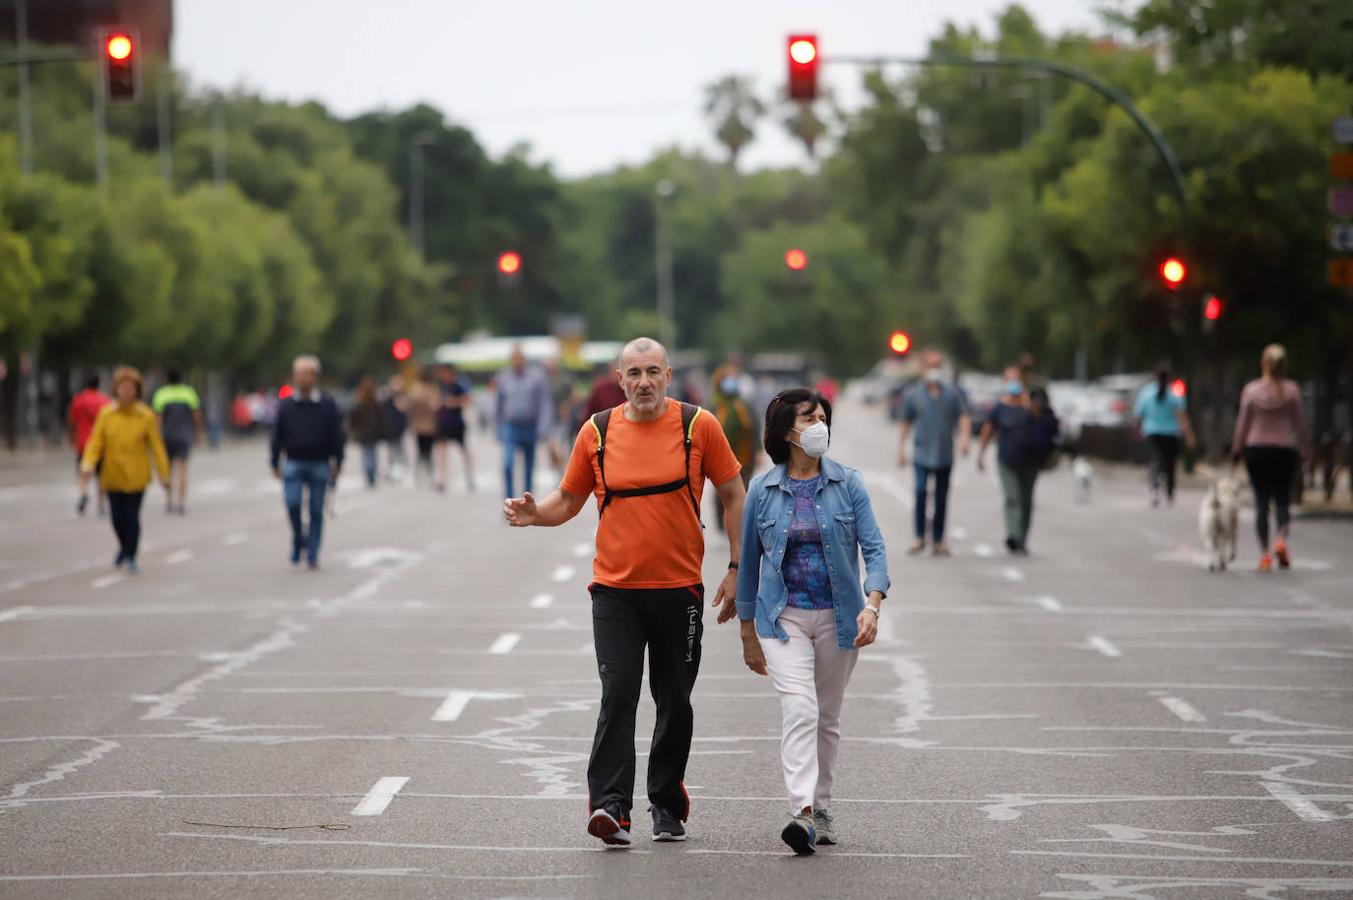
1103,719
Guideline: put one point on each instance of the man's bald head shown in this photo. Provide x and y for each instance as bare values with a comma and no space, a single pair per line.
643,346
644,373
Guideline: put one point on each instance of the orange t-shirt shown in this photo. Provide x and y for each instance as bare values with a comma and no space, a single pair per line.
653,541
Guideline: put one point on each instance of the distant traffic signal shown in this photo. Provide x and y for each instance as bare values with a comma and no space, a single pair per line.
402,349
796,260
900,343
1213,308
509,263
120,64
1179,389
1173,272
803,63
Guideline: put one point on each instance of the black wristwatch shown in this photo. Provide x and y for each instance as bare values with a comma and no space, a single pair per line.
732,565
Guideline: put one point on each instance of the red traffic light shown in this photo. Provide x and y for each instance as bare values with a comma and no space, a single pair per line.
118,46
1174,272
803,62
1213,308
796,260
900,343
509,263
401,349
1179,389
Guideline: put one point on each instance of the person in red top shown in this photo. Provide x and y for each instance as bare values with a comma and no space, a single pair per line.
84,409
646,462
605,394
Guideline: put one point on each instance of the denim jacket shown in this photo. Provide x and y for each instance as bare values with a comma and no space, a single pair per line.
849,529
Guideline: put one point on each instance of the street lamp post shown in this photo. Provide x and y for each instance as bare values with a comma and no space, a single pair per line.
662,192
420,140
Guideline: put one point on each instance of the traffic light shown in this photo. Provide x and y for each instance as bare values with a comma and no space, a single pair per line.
796,260
900,343
803,62
1173,272
402,349
1213,308
120,64
1179,389
509,268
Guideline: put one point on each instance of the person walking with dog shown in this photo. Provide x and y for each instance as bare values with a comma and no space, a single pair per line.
646,462
1272,437
1162,417
123,444
935,411
803,613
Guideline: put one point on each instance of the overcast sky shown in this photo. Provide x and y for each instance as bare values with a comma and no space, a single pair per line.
589,84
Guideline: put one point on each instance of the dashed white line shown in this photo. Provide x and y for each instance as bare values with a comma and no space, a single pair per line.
1051,604
563,573
15,612
380,795
1288,796
1183,709
453,706
235,538
958,532
542,601
581,550
178,556
102,582
1103,645
1010,573
983,550
505,643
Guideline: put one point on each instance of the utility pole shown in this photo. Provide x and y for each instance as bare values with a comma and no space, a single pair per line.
662,247
25,99
420,140
218,146
163,96
100,133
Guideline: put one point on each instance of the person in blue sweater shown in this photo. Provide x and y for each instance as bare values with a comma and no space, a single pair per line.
308,432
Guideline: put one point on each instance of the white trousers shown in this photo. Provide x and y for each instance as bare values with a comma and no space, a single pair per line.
810,672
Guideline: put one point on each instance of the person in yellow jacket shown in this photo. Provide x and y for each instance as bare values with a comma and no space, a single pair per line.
126,438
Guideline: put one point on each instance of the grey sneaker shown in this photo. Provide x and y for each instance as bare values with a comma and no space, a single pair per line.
799,835
824,825
666,827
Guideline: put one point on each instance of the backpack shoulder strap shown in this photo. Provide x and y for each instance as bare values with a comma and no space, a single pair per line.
689,413
600,421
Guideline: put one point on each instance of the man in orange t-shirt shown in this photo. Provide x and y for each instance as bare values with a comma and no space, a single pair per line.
646,587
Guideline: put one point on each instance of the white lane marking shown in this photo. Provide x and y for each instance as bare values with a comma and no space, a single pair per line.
1183,709
15,612
99,584
563,573
1051,604
1010,573
453,706
587,648
235,538
1288,796
1103,645
542,601
582,550
380,795
983,550
958,532
178,556
505,643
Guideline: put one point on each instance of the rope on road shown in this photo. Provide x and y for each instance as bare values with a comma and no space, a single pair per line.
326,826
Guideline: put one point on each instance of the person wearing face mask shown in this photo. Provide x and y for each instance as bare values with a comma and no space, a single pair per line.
646,462
739,425
936,411
1011,424
803,612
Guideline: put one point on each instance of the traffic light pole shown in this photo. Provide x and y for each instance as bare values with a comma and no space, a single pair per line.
1108,91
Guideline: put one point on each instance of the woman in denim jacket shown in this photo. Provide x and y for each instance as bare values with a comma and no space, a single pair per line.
804,615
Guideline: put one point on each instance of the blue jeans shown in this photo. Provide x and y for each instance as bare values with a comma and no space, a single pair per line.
523,438
370,462
297,475
923,474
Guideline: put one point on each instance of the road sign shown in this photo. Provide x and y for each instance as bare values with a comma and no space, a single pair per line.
1343,130
1341,201
1341,272
1341,238
1341,166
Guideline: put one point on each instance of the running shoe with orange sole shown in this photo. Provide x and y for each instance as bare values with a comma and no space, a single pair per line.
1265,563
1280,550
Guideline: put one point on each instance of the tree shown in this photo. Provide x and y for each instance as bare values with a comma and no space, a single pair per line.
733,109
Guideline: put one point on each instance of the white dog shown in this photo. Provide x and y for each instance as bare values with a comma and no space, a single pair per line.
1083,474
1219,522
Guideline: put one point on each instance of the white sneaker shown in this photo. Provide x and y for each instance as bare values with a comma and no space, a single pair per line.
606,828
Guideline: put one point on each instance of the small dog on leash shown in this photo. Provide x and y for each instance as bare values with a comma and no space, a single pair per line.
1083,475
1219,522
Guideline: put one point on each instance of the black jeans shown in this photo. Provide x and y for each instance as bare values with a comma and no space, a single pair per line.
124,510
1271,472
624,621
1164,458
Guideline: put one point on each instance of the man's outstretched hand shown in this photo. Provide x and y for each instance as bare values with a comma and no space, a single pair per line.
520,511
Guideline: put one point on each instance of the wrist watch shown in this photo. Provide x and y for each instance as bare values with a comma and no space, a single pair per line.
733,565
877,611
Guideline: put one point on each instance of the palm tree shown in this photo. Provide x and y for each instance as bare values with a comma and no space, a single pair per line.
804,121
733,108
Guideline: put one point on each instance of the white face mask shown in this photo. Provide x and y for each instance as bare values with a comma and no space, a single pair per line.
813,440
934,376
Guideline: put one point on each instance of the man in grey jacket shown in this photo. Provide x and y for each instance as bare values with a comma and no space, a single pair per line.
522,408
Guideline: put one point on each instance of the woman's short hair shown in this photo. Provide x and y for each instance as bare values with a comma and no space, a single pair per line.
127,373
780,416
1274,360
